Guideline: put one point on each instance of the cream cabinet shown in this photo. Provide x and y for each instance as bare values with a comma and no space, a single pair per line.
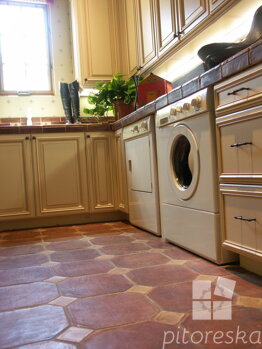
16,178
239,137
60,173
95,40
129,40
147,31
122,200
100,152
191,13
167,23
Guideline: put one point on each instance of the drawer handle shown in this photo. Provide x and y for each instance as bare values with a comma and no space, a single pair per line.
240,144
238,90
245,219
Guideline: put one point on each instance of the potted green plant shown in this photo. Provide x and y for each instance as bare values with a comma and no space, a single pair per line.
117,95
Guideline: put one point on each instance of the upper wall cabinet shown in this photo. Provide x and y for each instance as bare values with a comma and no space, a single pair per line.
94,27
191,13
146,29
167,23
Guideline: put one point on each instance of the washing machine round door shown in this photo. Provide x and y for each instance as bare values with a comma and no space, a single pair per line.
184,162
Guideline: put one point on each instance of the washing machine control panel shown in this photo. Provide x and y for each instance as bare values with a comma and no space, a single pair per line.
185,108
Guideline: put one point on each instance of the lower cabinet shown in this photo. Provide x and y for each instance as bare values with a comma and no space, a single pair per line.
57,174
100,149
60,173
16,178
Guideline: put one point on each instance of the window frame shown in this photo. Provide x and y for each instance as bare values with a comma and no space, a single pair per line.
50,55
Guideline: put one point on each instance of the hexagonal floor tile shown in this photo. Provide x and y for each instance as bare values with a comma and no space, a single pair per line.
119,249
24,275
67,245
73,255
176,298
23,261
31,325
19,296
49,345
147,335
111,310
85,286
111,240
20,250
160,275
140,260
79,268
207,268
178,253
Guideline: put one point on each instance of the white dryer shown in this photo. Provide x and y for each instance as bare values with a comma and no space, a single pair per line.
141,163
188,177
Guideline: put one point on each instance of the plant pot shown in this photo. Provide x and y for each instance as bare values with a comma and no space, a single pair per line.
121,109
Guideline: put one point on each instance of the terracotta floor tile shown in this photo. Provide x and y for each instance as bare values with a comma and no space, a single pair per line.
24,275
79,268
207,268
176,298
158,243
73,255
20,296
161,275
239,319
148,335
49,345
177,253
67,245
124,248
246,288
19,234
111,240
85,286
31,325
169,317
55,279
60,229
139,260
111,310
20,250
23,261
21,241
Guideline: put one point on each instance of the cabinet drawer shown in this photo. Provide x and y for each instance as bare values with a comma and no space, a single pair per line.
241,91
243,219
241,148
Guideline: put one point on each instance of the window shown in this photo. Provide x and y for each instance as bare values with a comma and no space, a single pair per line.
25,64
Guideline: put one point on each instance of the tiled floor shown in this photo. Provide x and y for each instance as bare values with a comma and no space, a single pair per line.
113,286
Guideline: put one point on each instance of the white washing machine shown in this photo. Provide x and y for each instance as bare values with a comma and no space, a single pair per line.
188,177
141,164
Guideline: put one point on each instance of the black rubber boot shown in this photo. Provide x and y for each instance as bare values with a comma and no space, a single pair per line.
66,101
73,89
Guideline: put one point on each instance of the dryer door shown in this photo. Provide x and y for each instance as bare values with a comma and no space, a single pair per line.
138,157
184,162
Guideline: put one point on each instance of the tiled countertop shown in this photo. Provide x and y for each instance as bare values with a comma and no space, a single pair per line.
94,127
233,65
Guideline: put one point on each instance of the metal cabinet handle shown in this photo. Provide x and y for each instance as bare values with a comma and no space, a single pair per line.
238,90
181,32
87,136
245,219
27,138
130,165
240,144
33,137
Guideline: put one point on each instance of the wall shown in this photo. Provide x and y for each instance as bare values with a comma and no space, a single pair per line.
47,106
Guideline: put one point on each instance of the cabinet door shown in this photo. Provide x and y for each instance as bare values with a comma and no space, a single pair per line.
16,178
95,39
191,13
100,150
167,24
129,37
121,174
146,25
213,4
60,173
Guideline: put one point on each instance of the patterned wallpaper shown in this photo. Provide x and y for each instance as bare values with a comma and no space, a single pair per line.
49,106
